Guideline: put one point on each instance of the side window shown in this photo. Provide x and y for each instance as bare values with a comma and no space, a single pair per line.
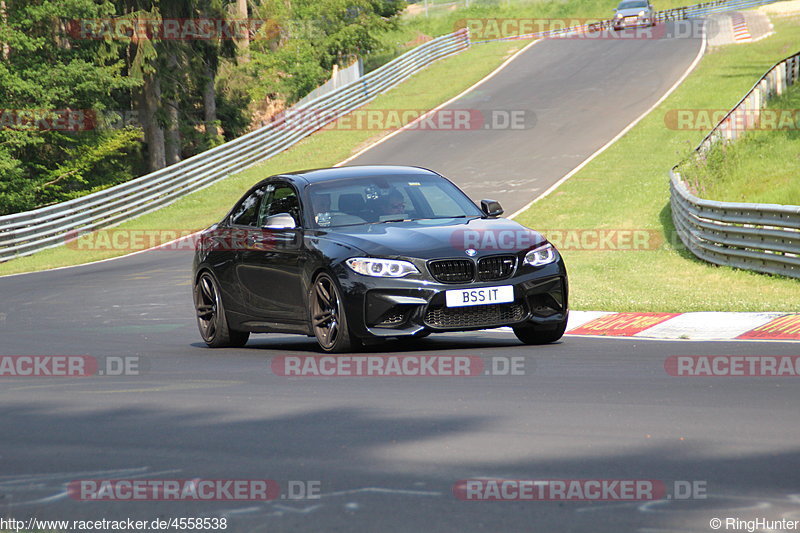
283,199
246,212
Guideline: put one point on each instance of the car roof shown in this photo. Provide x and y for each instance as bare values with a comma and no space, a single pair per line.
327,174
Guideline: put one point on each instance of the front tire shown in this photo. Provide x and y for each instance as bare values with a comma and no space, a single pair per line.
211,319
536,335
328,317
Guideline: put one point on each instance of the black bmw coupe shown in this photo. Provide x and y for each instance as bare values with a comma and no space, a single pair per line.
352,255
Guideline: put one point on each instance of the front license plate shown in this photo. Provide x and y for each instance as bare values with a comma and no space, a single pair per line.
481,296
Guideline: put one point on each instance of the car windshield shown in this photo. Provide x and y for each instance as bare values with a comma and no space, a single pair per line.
632,5
378,199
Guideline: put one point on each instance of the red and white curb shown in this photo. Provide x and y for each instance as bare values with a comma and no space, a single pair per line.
741,33
701,326
690,326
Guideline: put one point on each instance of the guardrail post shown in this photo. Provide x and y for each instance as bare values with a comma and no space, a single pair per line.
25,233
759,237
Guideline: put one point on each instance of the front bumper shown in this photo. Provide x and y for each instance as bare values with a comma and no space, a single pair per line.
385,307
638,22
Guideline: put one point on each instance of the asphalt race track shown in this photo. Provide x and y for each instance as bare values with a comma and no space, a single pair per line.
388,451
575,95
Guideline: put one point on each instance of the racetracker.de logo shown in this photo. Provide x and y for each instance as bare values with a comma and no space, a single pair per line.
312,119
218,239
559,490
175,29
487,29
737,120
733,365
70,366
396,366
64,120
563,239
174,490
490,29
578,490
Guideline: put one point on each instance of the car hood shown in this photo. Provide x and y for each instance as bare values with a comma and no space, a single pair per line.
429,239
632,12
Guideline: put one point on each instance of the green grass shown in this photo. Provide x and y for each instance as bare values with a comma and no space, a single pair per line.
763,166
619,191
425,90
614,191
441,21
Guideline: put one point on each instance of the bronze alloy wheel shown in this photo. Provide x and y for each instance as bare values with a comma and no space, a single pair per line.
211,318
327,316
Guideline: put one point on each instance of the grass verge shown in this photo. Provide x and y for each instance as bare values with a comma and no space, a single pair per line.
412,28
617,191
762,166
425,90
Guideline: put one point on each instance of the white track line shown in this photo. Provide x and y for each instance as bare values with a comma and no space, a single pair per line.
622,133
440,106
373,145
99,261
407,126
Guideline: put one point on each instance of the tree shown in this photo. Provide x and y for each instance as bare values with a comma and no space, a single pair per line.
314,36
54,89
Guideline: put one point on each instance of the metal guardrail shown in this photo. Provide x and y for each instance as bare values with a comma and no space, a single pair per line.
709,8
759,237
31,231
681,13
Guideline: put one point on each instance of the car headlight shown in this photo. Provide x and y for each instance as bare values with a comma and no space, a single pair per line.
619,15
642,13
542,255
381,268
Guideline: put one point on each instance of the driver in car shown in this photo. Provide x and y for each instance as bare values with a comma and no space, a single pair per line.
321,204
394,203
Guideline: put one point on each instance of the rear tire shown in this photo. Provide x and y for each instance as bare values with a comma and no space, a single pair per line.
328,317
211,319
536,335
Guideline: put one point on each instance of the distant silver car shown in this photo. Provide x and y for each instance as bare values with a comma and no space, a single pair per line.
634,14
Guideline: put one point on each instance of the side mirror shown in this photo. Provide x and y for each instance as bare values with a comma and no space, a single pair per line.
491,208
280,221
